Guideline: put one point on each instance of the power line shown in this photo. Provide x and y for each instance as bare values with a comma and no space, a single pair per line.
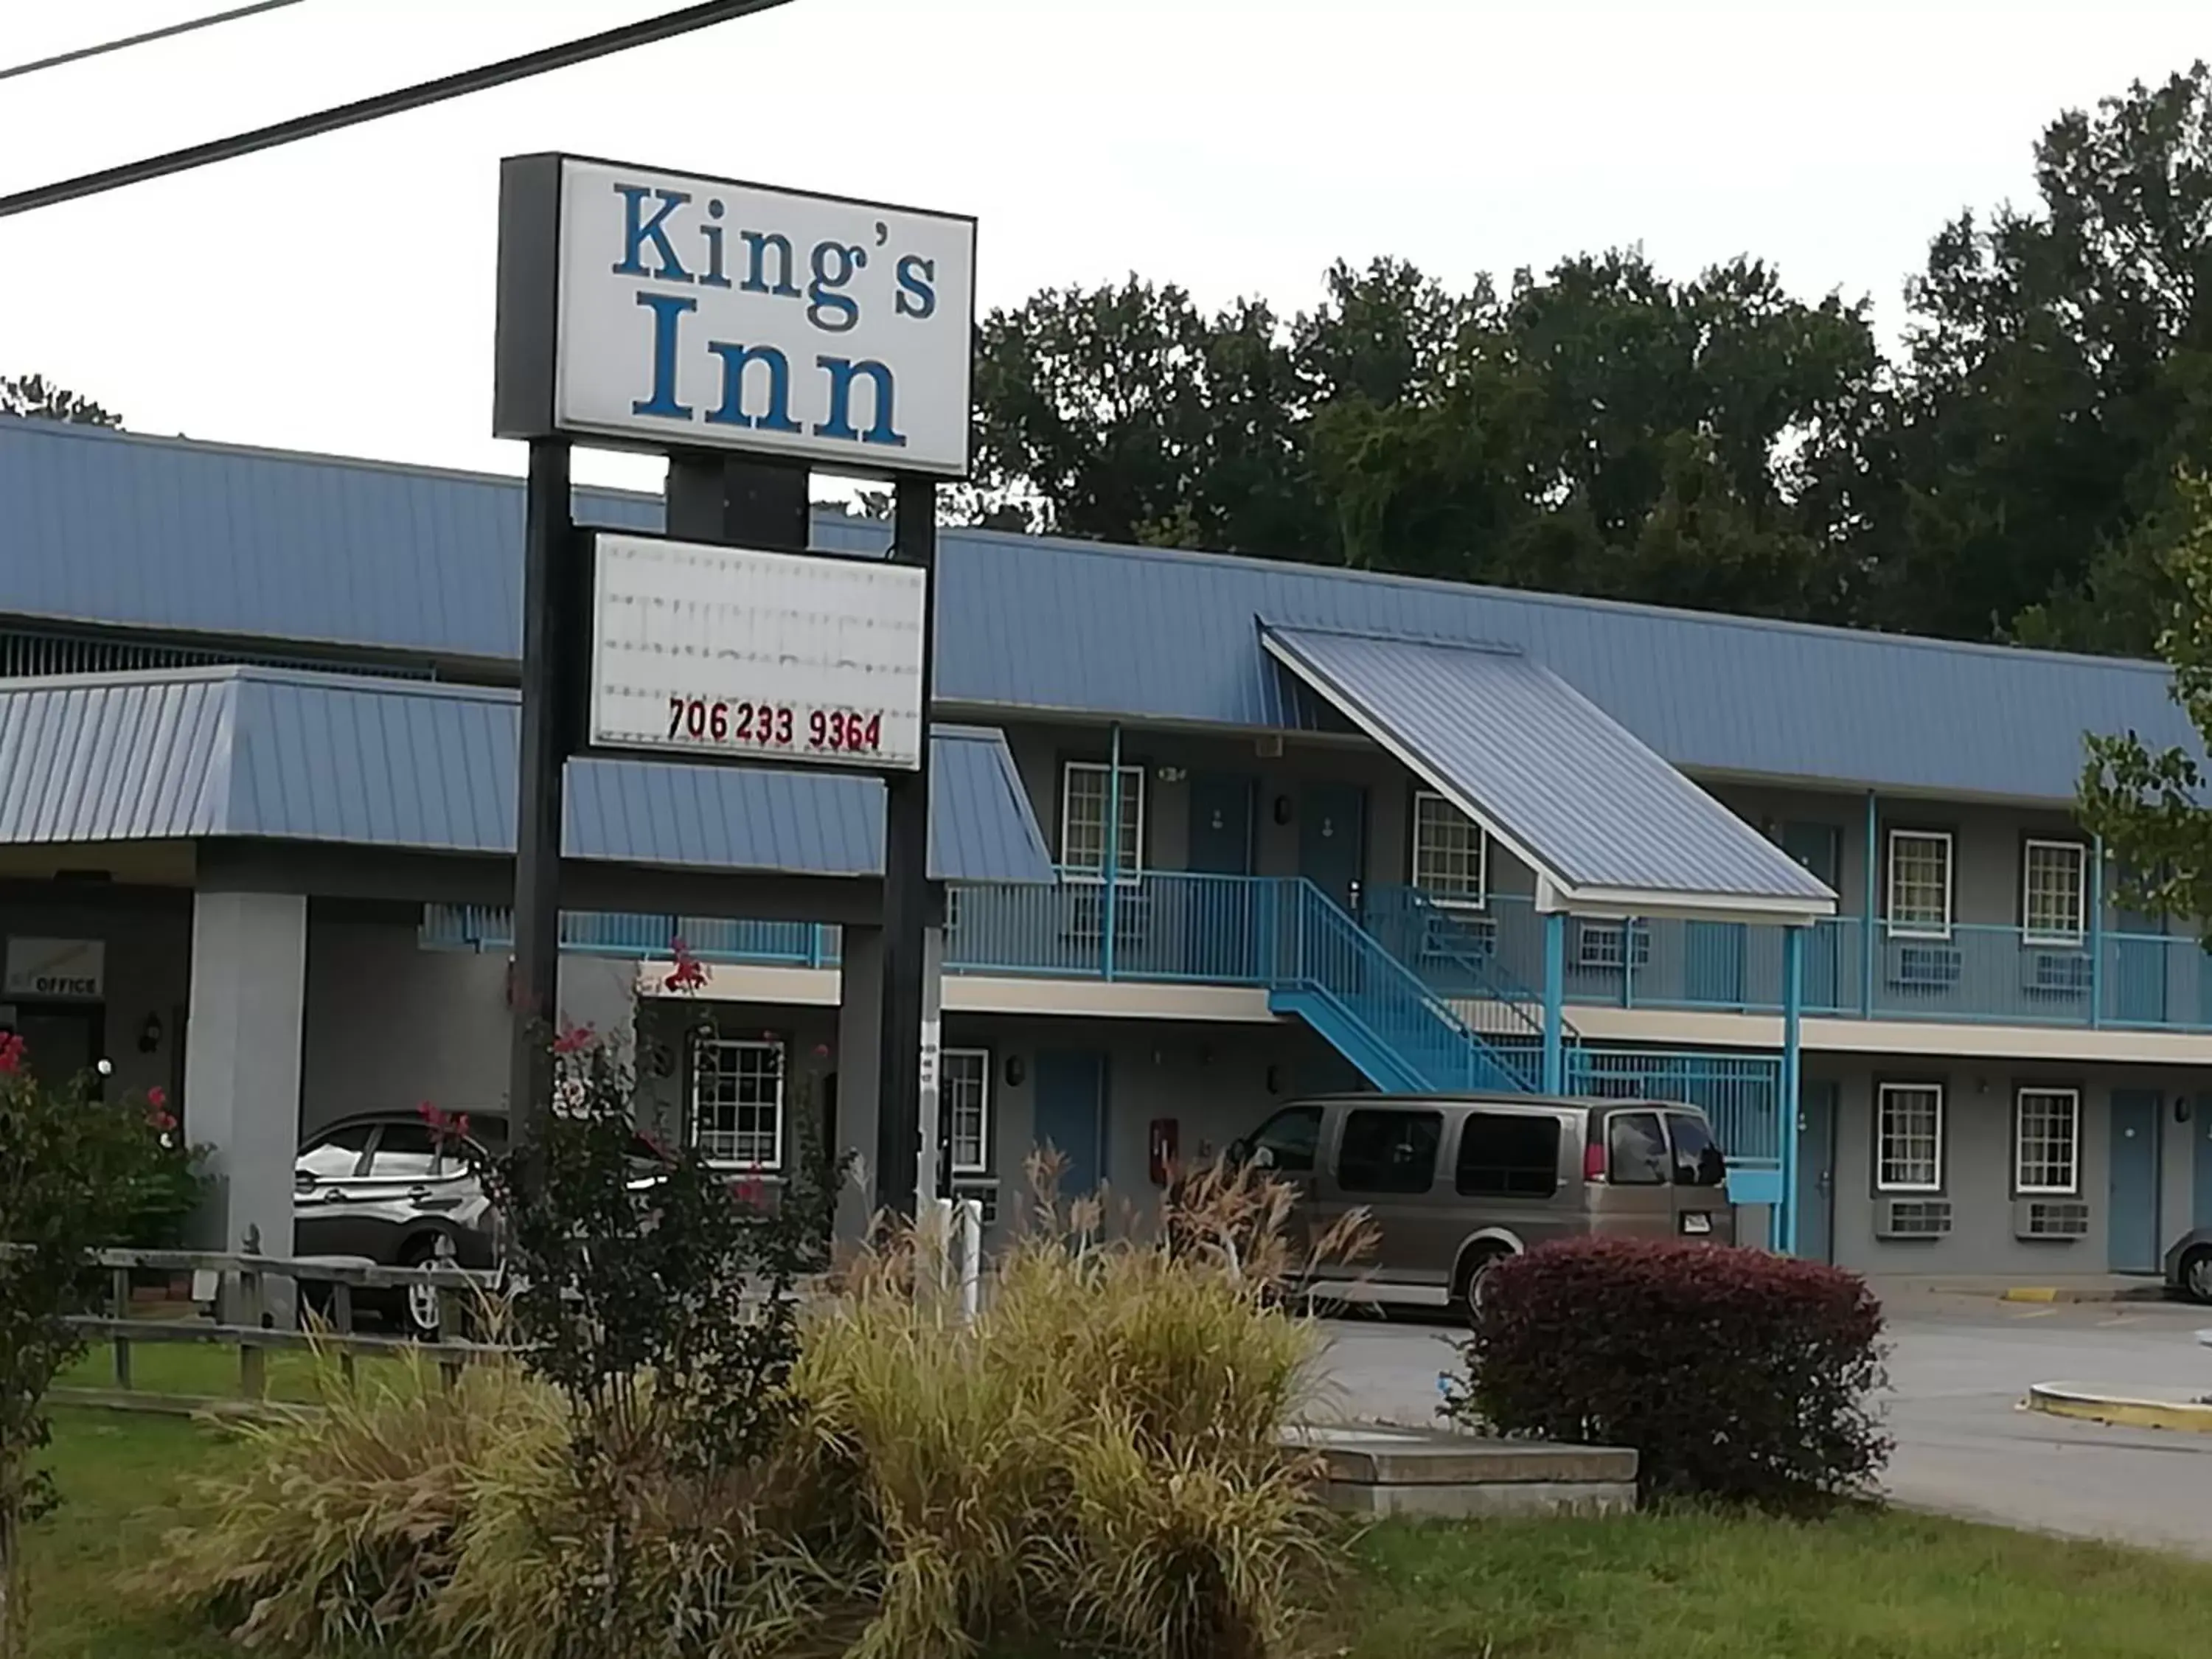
565,54
129,40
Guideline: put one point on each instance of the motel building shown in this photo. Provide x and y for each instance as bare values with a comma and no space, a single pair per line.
1207,833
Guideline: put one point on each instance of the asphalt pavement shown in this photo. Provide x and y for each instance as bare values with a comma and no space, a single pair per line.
1958,1368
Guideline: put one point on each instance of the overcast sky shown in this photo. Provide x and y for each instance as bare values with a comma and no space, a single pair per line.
336,295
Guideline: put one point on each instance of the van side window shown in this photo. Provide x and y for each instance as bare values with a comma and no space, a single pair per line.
1636,1147
1698,1160
1291,1137
1508,1155
1389,1151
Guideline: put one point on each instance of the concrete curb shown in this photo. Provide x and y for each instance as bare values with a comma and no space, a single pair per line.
2082,1293
2122,1409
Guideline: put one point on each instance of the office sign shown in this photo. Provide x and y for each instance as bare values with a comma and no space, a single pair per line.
737,653
663,311
64,969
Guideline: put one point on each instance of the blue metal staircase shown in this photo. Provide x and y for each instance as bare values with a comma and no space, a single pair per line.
1329,971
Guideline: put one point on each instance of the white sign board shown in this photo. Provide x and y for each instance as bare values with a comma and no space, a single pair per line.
738,653
70,969
666,310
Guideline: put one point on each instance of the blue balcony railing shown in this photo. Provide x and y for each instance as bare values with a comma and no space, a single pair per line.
1182,927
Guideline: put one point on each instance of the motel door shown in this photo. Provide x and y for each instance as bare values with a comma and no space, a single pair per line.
1218,936
1819,848
1332,840
2132,1223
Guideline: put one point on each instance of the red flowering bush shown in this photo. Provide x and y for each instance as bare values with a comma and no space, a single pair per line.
1735,1375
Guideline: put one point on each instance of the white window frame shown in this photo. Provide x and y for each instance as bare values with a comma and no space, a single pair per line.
1925,929
2081,852
773,1164
2021,1185
1881,1159
982,1057
1479,899
1127,877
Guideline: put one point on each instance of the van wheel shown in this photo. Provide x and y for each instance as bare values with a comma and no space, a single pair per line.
2197,1275
1475,1267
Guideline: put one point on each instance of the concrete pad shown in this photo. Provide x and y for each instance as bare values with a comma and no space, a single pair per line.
1375,1469
1483,1503
2123,1407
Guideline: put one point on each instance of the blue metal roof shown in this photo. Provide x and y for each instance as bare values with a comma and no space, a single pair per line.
1609,824
269,753
104,527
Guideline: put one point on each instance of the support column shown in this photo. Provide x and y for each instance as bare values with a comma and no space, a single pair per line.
1790,1106
1555,1001
1868,940
859,1080
242,1049
1110,867
2097,931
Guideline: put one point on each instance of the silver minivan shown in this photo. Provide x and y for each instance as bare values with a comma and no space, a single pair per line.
1453,1184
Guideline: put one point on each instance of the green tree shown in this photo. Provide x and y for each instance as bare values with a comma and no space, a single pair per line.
2058,371
2149,804
35,398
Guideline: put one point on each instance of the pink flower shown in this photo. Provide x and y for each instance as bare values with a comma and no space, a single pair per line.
158,1119
157,1097
575,1040
11,1053
443,1125
690,972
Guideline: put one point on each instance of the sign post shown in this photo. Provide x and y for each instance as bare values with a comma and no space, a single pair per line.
748,334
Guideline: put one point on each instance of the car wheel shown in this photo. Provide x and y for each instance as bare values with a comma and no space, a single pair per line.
2197,1275
1467,1294
421,1304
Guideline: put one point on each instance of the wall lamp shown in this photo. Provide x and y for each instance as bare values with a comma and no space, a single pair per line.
149,1034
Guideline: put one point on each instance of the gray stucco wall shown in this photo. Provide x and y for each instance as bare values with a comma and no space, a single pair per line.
390,1024
1979,1169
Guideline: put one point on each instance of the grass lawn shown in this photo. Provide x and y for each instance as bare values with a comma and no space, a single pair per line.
1866,1586
209,1372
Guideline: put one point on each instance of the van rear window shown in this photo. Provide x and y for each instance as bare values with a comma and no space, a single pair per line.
1636,1150
1385,1152
1508,1155
1698,1160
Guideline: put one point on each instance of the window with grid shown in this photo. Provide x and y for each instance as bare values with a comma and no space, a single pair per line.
1908,1138
964,1095
736,1102
1920,883
1083,815
2054,901
1450,853
2047,1140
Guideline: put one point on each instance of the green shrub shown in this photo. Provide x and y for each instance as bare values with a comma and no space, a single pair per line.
1736,1375
1091,1465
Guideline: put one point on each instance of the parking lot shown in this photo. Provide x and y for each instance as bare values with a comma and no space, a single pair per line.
1959,1369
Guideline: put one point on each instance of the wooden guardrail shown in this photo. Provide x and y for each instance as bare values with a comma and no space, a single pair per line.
243,1285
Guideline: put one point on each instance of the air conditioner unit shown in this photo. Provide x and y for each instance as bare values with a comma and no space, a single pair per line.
2060,1219
2054,973
1918,965
1912,1218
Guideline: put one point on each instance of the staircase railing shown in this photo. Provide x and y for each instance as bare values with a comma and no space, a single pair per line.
1317,948
1455,952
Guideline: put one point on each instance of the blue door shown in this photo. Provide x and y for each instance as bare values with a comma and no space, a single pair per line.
1217,940
2138,965
2132,1230
1071,1118
1819,848
1713,969
2200,1127
1816,1170
1221,824
1333,840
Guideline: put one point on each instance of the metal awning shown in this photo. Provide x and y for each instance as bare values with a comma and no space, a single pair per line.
1609,827
274,754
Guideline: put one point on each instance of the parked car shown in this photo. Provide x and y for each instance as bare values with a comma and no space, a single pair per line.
382,1186
1454,1183
2189,1265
